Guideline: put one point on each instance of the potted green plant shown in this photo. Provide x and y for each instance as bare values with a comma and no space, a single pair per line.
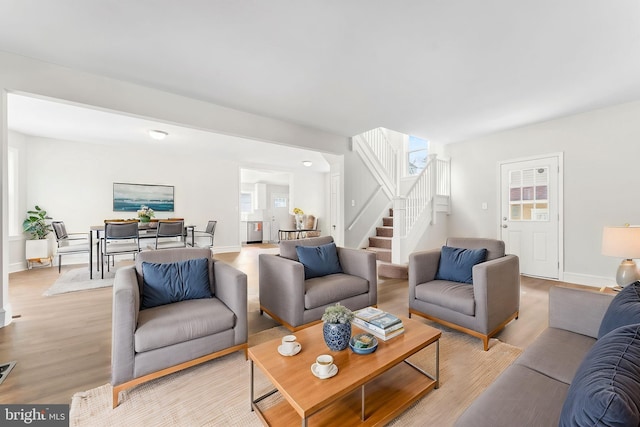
337,327
37,226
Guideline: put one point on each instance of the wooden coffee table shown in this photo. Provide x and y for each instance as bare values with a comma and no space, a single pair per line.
368,389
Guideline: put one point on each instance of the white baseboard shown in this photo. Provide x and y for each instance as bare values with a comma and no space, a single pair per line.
17,266
588,280
5,315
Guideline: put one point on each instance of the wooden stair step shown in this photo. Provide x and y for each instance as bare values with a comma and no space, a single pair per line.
384,231
381,253
380,242
387,221
393,271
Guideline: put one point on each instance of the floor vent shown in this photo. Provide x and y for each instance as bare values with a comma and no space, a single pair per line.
5,368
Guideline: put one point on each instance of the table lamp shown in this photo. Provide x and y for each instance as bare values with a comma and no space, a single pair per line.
623,242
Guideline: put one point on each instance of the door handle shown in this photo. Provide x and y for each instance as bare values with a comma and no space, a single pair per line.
504,225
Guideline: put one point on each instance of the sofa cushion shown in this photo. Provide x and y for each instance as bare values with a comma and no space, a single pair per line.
455,296
605,389
623,310
456,264
182,321
333,288
518,397
167,283
319,261
557,353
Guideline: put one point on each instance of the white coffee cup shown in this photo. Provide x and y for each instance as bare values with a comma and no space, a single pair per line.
289,344
324,362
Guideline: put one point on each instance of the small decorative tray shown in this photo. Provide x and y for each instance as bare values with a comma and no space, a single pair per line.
363,344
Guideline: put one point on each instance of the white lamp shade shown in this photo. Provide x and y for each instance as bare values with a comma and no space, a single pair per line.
621,242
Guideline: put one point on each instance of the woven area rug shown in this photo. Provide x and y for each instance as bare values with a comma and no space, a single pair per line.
78,280
217,393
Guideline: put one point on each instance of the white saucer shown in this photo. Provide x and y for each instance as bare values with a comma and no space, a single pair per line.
295,350
332,371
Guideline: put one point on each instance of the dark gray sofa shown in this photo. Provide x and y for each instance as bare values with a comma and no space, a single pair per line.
532,391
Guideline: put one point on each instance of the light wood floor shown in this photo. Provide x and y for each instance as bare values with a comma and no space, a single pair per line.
62,343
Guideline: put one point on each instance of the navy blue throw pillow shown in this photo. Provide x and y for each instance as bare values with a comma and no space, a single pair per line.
319,261
605,391
456,264
623,310
171,282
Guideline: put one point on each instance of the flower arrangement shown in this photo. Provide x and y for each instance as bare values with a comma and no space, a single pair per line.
146,213
337,314
298,211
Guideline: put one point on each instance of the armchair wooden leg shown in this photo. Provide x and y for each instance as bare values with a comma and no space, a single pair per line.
116,393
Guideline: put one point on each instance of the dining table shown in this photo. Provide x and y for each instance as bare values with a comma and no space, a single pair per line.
299,233
147,231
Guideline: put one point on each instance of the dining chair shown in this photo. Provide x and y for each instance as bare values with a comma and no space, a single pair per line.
206,235
170,234
69,243
119,238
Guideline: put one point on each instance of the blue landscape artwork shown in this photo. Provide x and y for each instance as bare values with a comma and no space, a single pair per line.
129,197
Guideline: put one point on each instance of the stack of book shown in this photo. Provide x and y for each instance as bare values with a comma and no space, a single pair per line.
378,323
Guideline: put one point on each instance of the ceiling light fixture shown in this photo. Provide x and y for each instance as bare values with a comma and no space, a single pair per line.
158,134
307,163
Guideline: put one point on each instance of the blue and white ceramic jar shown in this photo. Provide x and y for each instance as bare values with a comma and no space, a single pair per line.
337,335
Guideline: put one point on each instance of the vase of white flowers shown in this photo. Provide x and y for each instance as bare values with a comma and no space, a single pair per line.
299,214
337,327
145,213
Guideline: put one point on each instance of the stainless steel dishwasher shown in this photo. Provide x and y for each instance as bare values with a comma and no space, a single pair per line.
254,231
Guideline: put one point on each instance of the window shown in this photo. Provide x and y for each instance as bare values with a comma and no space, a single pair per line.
280,202
246,202
416,155
528,194
12,181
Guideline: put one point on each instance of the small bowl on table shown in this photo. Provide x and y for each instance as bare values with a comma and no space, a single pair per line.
363,344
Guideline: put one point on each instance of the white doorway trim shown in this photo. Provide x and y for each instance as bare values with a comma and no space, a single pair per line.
560,157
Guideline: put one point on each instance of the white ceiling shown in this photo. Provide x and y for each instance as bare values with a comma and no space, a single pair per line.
50,119
441,70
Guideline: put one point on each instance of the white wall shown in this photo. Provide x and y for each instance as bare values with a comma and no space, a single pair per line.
309,192
74,182
601,152
24,75
16,242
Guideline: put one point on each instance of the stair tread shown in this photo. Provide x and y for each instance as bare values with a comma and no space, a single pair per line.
377,249
390,263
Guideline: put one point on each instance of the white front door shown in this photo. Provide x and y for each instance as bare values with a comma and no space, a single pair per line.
530,214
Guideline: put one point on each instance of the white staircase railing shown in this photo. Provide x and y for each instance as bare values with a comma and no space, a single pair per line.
417,209
419,200
383,158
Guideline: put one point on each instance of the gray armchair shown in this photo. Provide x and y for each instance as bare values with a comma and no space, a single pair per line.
296,303
153,342
480,309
